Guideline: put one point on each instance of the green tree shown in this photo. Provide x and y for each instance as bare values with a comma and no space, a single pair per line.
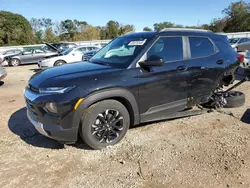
218,25
103,33
87,33
125,29
49,36
160,26
147,29
238,17
69,27
14,29
112,29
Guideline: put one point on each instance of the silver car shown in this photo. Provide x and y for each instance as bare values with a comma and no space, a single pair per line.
32,56
238,44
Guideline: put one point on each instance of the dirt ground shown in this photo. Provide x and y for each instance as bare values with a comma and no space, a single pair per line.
209,150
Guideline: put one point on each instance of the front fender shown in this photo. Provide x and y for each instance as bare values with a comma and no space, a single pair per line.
107,94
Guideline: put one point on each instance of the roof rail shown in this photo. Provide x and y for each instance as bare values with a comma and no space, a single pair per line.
184,29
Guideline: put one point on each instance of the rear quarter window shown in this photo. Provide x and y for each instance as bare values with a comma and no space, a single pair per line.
201,47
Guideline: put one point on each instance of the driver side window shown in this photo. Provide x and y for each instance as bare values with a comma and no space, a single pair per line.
168,48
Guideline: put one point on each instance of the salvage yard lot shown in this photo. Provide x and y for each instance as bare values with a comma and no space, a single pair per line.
210,150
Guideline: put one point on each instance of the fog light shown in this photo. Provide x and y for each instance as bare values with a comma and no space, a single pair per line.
51,107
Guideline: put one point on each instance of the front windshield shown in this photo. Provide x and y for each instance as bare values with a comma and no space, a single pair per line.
66,52
121,51
233,41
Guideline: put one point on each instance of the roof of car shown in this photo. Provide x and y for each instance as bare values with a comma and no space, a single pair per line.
171,31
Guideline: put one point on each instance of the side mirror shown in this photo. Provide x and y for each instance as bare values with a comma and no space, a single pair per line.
152,61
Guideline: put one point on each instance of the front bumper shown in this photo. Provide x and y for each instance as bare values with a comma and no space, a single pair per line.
62,129
54,131
45,65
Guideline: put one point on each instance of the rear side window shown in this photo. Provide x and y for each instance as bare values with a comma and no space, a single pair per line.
201,47
168,48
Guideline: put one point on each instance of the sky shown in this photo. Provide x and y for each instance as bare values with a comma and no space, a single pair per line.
140,13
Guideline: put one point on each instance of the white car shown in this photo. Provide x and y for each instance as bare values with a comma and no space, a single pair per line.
70,55
246,63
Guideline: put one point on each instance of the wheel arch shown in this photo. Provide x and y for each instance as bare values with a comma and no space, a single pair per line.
122,95
59,60
15,57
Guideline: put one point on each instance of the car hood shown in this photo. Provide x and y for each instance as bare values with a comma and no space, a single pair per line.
58,76
53,47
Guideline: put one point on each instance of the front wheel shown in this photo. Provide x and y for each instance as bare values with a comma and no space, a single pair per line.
104,123
59,63
15,62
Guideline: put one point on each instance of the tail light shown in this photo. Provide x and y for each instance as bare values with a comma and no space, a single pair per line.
240,57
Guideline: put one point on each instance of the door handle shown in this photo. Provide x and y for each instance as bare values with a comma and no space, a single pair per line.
220,62
182,68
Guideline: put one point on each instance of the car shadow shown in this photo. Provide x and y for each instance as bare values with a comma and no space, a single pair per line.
21,126
246,117
1,83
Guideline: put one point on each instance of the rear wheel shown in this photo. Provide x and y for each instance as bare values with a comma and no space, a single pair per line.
59,63
104,123
234,99
15,62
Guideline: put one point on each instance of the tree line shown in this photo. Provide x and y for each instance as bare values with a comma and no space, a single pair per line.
17,30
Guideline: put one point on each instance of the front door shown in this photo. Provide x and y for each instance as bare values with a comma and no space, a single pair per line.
163,88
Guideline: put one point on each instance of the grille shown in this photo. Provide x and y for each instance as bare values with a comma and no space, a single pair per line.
31,108
33,89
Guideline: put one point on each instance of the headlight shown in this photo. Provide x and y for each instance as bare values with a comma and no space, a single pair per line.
51,107
50,90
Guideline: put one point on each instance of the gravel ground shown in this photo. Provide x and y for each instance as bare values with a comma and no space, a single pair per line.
209,150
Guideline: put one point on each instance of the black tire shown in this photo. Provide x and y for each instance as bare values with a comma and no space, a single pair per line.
15,62
234,99
59,63
94,131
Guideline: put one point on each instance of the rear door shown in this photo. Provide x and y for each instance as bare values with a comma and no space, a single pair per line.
163,88
206,64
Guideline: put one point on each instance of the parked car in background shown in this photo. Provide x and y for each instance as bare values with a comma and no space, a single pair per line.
154,76
31,56
87,55
3,72
63,45
243,46
70,55
238,43
9,54
246,64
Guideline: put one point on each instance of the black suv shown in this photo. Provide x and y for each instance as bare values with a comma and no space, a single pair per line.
138,77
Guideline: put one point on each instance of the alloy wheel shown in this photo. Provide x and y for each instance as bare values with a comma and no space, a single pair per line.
14,62
107,126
